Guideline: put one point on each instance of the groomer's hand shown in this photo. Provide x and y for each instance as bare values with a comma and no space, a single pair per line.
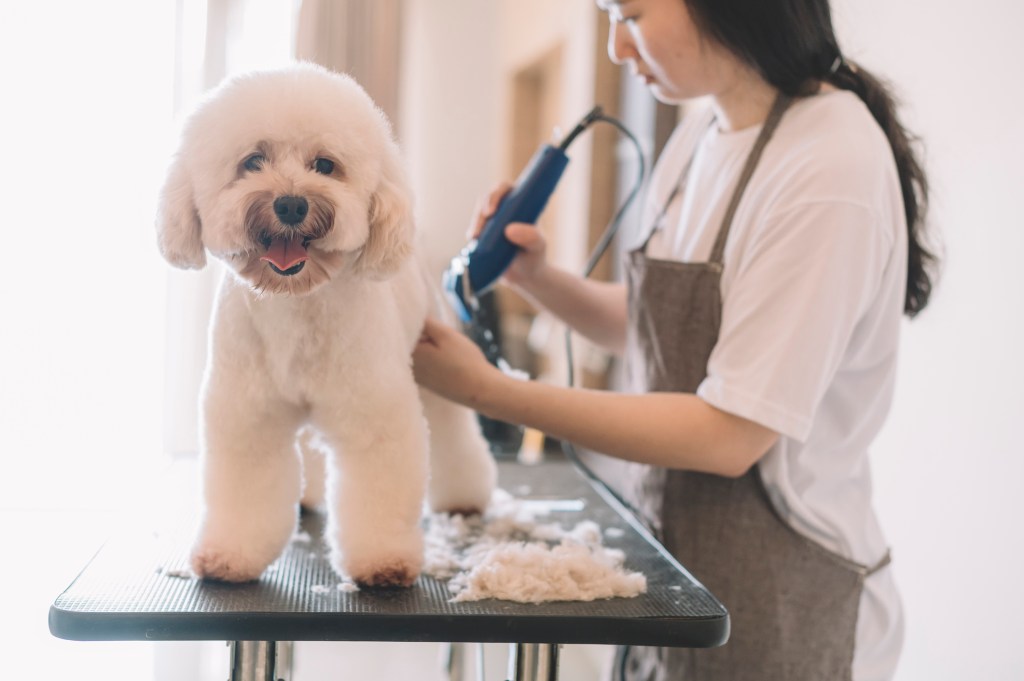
532,257
451,365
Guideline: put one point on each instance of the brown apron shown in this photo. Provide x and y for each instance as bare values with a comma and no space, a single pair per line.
793,604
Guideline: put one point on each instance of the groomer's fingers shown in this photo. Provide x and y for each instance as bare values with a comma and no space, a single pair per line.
485,208
432,331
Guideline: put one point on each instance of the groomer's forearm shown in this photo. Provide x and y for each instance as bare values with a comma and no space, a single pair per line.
595,309
673,430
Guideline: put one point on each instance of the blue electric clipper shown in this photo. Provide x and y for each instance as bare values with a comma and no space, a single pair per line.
475,269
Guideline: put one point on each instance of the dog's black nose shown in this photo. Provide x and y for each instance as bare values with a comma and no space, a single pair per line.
291,210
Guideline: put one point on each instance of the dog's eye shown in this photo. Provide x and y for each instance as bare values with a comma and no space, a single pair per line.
324,166
254,163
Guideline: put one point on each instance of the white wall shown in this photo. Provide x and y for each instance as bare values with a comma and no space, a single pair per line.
454,119
450,102
529,29
949,462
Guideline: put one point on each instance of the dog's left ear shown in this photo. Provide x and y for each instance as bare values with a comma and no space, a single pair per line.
177,221
391,225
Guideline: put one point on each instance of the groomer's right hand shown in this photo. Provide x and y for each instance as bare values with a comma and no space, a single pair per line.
531,258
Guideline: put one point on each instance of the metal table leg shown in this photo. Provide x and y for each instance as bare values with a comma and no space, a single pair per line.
454,663
272,661
451,660
533,662
261,661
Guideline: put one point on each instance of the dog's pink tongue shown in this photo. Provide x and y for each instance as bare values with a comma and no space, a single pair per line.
285,253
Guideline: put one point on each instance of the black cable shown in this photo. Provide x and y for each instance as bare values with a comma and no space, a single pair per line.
597,113
595,257
613,226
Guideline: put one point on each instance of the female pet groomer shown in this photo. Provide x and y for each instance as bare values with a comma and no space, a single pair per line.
759,326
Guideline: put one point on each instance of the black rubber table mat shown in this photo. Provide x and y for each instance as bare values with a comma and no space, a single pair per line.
134,589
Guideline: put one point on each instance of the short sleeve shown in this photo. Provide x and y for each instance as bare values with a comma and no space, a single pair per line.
790,310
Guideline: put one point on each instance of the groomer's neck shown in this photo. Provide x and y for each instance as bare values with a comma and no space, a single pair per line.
744,100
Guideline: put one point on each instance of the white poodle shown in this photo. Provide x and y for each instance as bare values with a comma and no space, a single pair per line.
292,179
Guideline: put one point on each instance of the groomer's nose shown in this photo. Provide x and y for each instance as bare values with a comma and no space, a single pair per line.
620,46
291,210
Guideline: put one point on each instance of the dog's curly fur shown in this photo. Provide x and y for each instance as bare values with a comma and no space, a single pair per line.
291,178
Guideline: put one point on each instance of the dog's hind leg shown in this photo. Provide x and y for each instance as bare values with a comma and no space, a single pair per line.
314,469
462,469
251,486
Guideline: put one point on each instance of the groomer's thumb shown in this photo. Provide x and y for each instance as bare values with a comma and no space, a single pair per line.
524,235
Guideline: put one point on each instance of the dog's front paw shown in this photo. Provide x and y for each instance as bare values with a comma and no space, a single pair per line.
391,563
397,573
461,509
218,564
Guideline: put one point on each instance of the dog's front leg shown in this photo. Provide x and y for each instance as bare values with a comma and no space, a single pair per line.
377,481
251,479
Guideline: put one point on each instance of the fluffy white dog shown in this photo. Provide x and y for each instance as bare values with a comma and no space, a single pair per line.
292,179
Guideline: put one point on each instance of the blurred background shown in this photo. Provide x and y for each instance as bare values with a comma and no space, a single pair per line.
102,344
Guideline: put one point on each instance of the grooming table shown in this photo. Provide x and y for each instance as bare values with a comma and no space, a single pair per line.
136,588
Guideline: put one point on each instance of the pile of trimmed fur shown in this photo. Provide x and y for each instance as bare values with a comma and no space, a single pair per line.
507,554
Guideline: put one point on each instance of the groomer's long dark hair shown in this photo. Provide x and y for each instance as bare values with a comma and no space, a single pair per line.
792,44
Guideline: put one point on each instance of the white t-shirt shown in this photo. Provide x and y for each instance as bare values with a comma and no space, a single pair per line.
812,292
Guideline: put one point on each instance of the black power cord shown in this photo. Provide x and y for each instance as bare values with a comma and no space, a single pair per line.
595,257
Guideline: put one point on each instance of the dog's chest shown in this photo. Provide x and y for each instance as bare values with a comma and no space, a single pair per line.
313,348
302,345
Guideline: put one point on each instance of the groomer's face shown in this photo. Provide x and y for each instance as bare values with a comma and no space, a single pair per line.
661,44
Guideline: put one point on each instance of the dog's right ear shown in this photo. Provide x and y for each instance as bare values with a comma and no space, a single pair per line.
179,231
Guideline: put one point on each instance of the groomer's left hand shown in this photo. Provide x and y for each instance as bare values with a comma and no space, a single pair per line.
450,364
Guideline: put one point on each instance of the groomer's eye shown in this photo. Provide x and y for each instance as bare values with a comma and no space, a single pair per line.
254,163
627,19
324,166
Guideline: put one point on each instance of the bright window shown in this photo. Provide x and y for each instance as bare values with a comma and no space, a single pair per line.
87,114
87,126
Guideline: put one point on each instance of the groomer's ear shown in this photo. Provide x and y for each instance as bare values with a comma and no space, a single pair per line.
177,222
391,224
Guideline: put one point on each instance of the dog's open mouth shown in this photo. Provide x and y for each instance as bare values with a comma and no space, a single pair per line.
285,256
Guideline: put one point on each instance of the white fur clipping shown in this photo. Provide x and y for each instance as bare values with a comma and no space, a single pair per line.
509,556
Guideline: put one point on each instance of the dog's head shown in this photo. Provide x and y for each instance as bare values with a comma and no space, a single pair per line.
290,177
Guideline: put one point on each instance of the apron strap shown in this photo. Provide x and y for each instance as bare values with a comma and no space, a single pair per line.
680,182
886,559
782,103
665,206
